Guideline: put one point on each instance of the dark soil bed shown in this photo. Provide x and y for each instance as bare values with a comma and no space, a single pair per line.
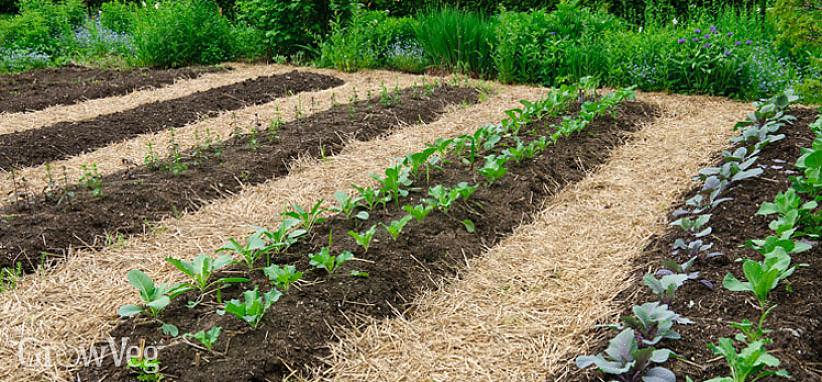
67,139
131,198
39,89
797,321
295,333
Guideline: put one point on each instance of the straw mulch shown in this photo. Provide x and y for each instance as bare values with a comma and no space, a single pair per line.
75,304
523,310
89,109
131,153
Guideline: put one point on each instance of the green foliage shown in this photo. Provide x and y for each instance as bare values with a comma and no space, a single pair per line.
325,260
751,364
305,218
181,32
664,287
43,26
201,268
286,25
92,180
251,309
118,15
395,227
762,276
155,297
147,370
457,40
364,238
250,250
207,338
419,211
626,359
653,322
282,276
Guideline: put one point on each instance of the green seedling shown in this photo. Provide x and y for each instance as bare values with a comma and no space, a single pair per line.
347,204
251,309
494,168
325,260
762,276
396,226
750,332
202,268
307,219
694,226
147,370
653,322
151,159
419,211
207,338
92,180
282,276
369,197
364,238
155,297
250,250
283,238
665,287
394,183
751,364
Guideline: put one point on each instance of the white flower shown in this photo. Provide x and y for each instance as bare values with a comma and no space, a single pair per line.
675,22
156,5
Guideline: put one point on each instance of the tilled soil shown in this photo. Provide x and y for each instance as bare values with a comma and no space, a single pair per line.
39,89
293,336
67,139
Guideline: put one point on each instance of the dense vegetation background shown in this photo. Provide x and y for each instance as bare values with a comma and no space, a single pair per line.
743,49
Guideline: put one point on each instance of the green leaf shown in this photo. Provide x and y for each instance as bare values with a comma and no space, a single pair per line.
129,310
170,330
469,225
141,282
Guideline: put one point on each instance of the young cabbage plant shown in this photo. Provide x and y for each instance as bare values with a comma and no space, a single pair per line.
346,204
694,226
770,243
147,370
395,227
664,287
441,197
307,219
692,248
283,238
762,276
251,309
653,322
494,168
155,297
393,185
419,211
201,268
419,160
750,332
325,260
250,251
364,238
369,197
282,276
207,338
786,202
628,362
753,363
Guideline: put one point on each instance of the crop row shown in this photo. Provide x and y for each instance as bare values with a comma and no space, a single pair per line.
635,353
488,153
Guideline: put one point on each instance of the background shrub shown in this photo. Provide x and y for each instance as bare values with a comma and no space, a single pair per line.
457,40
181,32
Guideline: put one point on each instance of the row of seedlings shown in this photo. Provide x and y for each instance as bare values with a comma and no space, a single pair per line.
635,354
255,252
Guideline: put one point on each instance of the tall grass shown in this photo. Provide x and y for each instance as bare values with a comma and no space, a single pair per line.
457,40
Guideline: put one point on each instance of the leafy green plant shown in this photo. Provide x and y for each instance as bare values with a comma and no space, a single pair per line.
694,226
751,364
251,309
364,238
147,370
369,197
207,338
750,332
92,180
419,211
664,287
250,250
347,204
325,260
155,297
762,276
283,238
628,362
395,227
282,276
392,185
201,268
307,219
494,168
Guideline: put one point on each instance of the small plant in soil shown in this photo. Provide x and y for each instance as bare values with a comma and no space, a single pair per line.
282,276
151,160
280,240
665,287
325,260
753,363
252,308
419,211
207,338
250,250
155,297
653,322
369,197
347,204
494,168
694,226
363,239
627,362
395,227
92,180
201,269
393,184
306,218
749,331
147,370
762,276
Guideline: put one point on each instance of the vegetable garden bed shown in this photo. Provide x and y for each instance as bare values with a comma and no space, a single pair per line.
40,89
128,200
794,324
63,140
386,271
